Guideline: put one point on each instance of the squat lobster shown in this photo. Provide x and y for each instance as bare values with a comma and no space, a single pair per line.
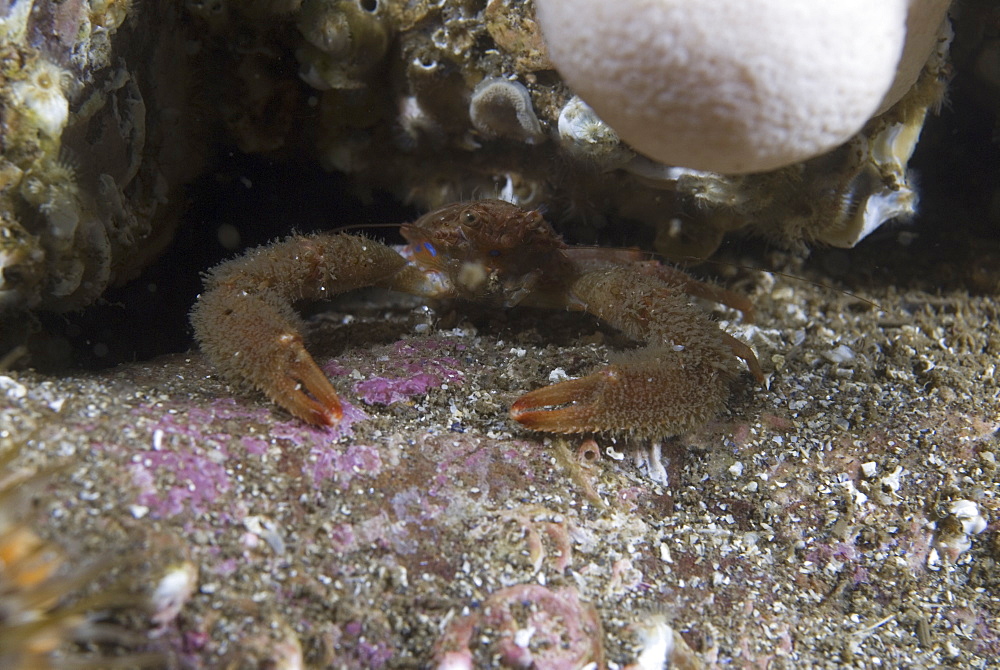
491,252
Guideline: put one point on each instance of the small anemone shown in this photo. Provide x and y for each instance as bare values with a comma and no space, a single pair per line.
413,122
42,96
110,14
584,135
502,108
51,187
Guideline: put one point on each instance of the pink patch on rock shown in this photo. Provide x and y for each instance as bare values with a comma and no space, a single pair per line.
300,433
356,647
185,466
254,445
335,369
407,371
342,538
190,479
327,462
412,506
385,390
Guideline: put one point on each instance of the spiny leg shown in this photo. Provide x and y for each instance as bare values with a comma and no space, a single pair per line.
639,261
700,289
246,325
743,351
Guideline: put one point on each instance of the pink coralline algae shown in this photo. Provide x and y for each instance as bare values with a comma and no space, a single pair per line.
387,390
328,462
197,480
414,506
186,466
299,433
413,368
342,538
477,462
524,626
255,446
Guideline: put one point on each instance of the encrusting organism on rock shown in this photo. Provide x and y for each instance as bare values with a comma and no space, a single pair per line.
490,252
502,108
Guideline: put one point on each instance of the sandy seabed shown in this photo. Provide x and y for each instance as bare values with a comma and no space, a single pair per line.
828,519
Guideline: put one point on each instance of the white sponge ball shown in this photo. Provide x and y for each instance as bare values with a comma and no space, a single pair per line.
732,86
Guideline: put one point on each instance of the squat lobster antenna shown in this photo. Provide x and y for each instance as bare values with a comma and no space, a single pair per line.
364,226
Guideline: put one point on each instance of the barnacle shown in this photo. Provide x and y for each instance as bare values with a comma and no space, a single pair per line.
502,108
345,38
51,187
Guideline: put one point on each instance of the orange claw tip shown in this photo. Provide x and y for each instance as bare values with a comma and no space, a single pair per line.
317,405
305,391
325,411
542,409
566,420
331,415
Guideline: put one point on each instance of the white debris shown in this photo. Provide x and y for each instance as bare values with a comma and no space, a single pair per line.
891,480
967,512
651,461
558,375
522,637
613,454
839,355
11,388
657,642
173,591
954,532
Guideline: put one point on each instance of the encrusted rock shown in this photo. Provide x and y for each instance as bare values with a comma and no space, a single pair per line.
97,137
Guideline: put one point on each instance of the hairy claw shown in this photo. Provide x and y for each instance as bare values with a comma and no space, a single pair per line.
305,390
543,409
